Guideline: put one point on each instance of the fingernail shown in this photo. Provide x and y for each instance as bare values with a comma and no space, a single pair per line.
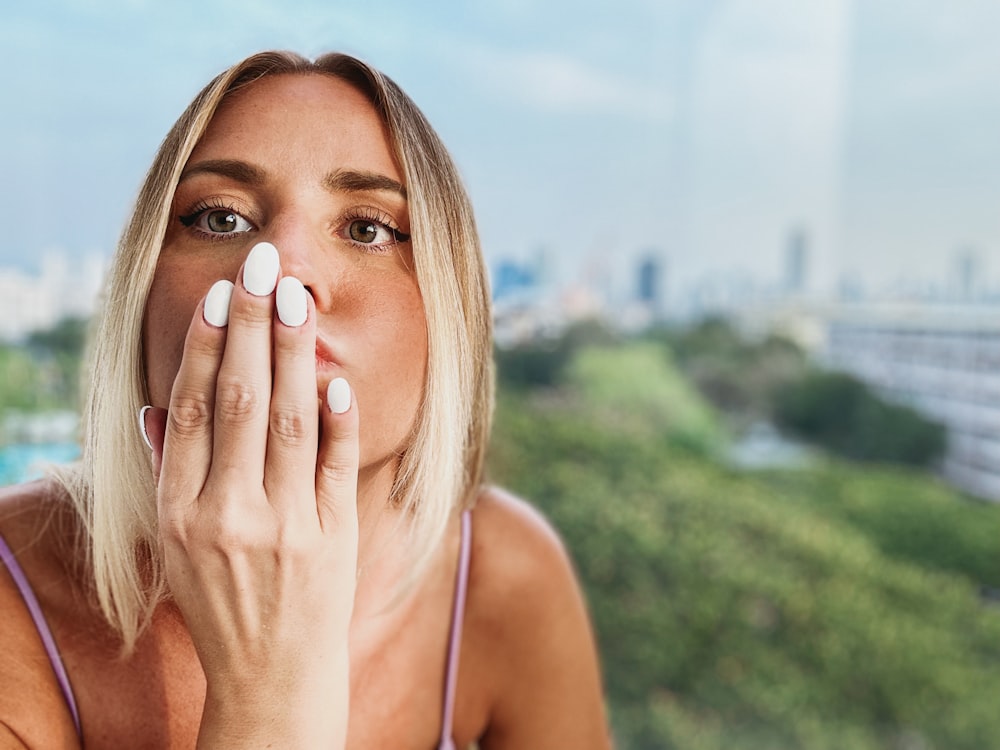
338,396
291,301
260,272
216,311
142,426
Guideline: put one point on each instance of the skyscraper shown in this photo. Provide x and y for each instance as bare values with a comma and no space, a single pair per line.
796,262
649,287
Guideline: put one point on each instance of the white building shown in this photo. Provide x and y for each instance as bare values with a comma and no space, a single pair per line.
942,361
65,287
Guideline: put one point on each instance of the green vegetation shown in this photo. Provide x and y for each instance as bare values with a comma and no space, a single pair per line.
19,379
832,607
738,377
772,380
44,373
841,414
543,362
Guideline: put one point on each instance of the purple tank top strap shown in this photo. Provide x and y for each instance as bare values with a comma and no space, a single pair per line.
455,638
35,610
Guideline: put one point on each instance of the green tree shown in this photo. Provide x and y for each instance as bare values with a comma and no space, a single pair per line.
771,611
736,375
59,353
20,380
542,362
840,413
68,337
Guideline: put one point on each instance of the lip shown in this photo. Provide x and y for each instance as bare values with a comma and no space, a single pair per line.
324,355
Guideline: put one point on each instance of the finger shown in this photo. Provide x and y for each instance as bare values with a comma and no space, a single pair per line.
187,441
243,389
337,463
293,424
153,425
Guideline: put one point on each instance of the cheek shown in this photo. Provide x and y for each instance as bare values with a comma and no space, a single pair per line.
408,358
172,301
393,370
405,333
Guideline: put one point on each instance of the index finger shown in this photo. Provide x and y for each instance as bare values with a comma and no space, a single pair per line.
187,442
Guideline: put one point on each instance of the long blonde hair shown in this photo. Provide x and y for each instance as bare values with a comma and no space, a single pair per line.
440,470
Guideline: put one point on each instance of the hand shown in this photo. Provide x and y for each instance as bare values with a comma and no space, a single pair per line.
256,492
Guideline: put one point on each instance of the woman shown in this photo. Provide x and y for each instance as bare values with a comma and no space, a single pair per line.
305,556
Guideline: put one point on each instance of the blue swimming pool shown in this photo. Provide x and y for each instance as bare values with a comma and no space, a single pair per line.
25,461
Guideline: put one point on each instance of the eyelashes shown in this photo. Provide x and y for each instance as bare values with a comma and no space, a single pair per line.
365,227
215,221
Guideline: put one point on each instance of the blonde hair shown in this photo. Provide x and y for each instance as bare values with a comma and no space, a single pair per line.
441,469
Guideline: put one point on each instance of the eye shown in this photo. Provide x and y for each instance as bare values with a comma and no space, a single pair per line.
371,230
216,221
224,222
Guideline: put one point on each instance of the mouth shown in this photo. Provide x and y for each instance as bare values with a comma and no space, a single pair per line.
324,355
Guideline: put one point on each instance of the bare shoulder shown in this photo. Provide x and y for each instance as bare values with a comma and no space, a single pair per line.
32,518
521,575
517,549
531,617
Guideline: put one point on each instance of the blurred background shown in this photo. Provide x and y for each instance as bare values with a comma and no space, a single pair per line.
744,265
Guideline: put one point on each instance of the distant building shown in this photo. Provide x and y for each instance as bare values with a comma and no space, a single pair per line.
649,282
850,289
796,262
512,279
650,286
527,306
65,287
968,267
943,362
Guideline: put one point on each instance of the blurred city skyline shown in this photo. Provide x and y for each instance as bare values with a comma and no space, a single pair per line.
707,134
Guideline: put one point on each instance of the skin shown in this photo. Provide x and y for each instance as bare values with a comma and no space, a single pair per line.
273,639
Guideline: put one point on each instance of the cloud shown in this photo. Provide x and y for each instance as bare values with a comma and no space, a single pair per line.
559,83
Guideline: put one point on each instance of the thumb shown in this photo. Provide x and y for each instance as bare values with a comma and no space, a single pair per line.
337,460
153,426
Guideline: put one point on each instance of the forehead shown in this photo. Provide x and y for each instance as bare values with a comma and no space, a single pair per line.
295,119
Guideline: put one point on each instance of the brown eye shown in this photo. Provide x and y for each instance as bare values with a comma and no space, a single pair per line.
370,232
364,231
222,221
216,222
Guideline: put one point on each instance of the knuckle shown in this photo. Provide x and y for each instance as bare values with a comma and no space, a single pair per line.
227,532
337,472
292,344
292,545
202,346
190,413
252,312
236,400
227,541
289,425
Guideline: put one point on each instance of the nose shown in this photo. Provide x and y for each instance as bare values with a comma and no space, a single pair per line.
302,252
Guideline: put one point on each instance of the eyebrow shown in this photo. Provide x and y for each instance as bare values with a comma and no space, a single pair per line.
350,181
240,171
342,180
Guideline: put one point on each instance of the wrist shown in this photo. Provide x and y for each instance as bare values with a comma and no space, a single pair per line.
290,710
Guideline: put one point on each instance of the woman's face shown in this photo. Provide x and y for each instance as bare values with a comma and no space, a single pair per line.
303,162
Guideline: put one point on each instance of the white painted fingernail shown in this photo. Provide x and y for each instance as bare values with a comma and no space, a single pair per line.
260,272
291,301
142,426
338,396
216,311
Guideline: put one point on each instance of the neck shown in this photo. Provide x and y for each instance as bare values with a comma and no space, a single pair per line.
382,543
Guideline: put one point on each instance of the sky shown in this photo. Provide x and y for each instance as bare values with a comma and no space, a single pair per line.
594,134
